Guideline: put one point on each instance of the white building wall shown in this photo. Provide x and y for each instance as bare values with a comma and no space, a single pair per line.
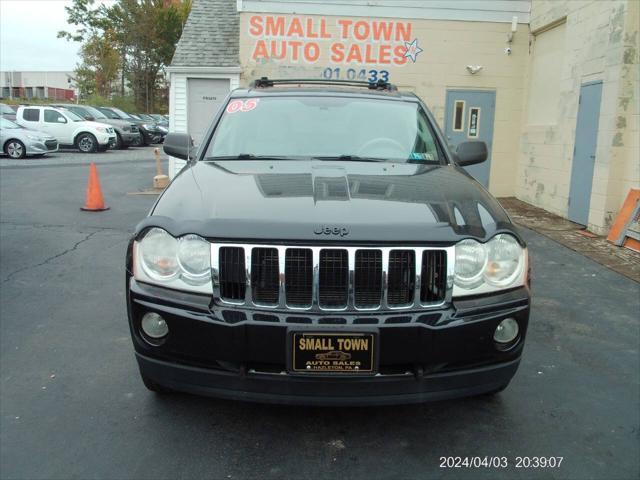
35,79
178,95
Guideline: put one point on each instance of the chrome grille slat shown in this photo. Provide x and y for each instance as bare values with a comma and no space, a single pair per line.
265,276
331,278
401,279
299,277
367,269
233,277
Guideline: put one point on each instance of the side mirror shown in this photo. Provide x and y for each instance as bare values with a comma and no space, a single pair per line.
90,118
62,120
178,145
470,153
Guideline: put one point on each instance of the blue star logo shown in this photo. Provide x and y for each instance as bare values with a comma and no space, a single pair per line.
412,50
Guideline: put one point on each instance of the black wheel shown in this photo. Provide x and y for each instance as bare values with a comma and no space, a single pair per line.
15,149
153,386
118,144
87,143
138,142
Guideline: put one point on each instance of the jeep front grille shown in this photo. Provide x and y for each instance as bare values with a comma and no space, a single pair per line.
328,278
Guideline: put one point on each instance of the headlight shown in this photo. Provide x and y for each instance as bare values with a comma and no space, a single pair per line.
471,260
126,128
486,267
158,254
146,126
183,264
505,259
194,257
101,129
34,137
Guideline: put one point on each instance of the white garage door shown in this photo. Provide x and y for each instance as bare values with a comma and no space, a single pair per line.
205,95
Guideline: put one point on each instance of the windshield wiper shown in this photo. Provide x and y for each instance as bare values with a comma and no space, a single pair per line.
249,156
350,158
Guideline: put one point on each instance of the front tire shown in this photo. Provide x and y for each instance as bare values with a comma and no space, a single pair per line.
87,143
15,149
154,387
120,145
138,142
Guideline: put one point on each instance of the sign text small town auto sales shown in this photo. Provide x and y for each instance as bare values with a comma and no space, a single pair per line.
346,41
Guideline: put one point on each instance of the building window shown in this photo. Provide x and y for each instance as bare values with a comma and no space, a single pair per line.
474,122
458,116
31,114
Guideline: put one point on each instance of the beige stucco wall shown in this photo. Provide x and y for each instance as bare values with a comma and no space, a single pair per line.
600,42
448,47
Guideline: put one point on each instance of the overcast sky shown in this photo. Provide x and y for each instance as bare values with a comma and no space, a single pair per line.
28,40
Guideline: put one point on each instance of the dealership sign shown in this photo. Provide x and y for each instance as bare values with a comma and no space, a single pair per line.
340,41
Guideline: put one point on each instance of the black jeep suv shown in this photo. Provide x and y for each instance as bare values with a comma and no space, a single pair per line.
325,246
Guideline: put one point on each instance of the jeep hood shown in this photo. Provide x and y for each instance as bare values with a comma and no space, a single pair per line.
267,201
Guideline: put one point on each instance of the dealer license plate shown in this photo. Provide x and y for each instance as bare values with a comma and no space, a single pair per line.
333,352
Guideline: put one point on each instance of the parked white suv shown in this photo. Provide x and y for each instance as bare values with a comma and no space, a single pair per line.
67,127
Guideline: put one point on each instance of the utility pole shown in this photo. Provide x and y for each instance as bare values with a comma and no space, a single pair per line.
122,73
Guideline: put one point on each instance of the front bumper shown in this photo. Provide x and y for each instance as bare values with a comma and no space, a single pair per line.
150,136
129,138
105,138
265,387
433,355
38,148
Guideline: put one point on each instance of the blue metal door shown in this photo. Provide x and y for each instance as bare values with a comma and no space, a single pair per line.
469,116
584,153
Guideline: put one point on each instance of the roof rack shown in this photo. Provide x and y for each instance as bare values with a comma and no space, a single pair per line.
265,82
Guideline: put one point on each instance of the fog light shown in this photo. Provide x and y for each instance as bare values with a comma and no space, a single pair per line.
154,326
507,331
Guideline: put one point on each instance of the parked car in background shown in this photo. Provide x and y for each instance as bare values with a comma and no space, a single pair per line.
18,142
7,112
127,132
67,128
160,119
163,129
148,130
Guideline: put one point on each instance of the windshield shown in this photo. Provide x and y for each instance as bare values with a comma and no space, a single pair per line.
109,114
122,114
4,123
95,113
341,128
5,109
80,111
72,116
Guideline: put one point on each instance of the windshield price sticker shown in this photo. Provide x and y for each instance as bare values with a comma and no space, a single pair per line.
242,106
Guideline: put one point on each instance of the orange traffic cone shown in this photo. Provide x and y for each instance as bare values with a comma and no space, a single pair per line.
94,202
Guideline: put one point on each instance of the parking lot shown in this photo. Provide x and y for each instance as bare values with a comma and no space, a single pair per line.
73,405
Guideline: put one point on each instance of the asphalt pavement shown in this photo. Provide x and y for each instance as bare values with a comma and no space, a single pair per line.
72,404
